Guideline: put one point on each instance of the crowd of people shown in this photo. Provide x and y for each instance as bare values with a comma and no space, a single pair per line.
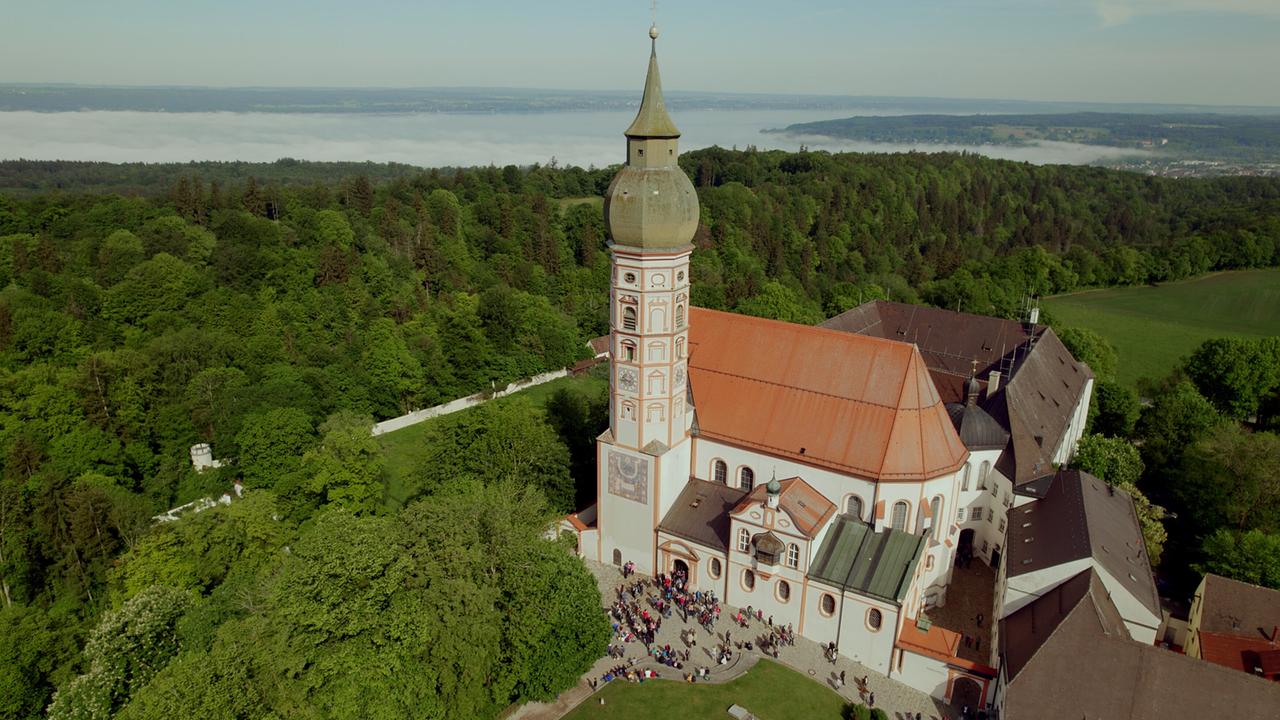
641,606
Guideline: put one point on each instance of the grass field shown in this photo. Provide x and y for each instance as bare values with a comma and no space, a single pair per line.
769,690
1152,328
403,448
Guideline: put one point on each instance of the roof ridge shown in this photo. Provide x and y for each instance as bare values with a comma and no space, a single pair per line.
814,328
894,425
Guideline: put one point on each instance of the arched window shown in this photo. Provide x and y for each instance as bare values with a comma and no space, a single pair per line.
617,557
853,506
720,472
982,474
744,540
874,619
793,555
715,568
629,318
628,410
679,348
964,479
628,351
935,515
827,604
900,510
679,316
784,590
746,478
748,580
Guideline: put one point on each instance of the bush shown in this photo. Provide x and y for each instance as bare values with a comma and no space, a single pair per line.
856,711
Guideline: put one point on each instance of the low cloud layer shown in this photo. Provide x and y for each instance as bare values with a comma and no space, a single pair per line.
429,140
1119,12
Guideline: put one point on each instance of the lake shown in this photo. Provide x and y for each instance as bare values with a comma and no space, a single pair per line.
432,140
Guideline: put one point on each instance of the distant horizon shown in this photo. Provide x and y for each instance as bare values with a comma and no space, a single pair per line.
621,92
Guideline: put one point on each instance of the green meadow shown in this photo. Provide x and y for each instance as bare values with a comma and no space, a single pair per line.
404,448
1153,327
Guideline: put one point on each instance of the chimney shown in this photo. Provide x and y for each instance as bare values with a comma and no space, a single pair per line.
993,383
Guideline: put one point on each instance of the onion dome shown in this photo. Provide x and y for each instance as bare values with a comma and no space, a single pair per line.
976,428
651,204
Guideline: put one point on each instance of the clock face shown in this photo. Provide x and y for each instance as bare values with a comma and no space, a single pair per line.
679,377
627,379
628,477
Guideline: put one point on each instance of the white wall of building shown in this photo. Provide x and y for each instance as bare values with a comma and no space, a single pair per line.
1023,589
923,673
1075,430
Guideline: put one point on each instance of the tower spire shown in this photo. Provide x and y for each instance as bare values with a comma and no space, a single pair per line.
652,121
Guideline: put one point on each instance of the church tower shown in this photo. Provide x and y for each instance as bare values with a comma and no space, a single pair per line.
651,211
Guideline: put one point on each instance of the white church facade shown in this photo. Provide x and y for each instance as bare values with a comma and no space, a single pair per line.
829,476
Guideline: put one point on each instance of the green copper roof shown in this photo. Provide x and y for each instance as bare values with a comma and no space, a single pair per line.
855,557
653,121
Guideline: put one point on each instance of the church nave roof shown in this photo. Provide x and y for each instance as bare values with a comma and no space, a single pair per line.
851,403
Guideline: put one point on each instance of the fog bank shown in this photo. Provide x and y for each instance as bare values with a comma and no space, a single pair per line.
430,140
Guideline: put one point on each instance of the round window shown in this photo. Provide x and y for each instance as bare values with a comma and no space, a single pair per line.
784,590
748,580
873,619
680,276
715,567
629,278
827,604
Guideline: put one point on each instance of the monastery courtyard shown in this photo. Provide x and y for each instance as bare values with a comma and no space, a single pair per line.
806,657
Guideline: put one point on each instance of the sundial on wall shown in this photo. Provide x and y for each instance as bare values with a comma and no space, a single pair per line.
627,379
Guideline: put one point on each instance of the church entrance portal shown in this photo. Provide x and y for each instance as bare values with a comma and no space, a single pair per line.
966,693
964,552
680,567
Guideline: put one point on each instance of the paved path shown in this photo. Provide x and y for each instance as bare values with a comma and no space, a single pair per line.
900,701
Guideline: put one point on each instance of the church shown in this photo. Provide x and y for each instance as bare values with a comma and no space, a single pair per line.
839,478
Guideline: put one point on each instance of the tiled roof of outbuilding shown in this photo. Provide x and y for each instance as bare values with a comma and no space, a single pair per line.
1041,384
853,556
1238,608
1081,517
701,513
850,403
806,507
1081,663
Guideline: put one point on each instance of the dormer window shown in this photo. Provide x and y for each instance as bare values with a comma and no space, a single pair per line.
769,549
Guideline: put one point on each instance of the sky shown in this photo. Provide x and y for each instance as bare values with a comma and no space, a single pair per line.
1224,52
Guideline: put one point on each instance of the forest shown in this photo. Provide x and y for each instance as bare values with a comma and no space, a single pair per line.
276,311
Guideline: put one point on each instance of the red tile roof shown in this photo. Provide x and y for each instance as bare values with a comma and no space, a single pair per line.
1237,652
939,643
807,508
851,403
